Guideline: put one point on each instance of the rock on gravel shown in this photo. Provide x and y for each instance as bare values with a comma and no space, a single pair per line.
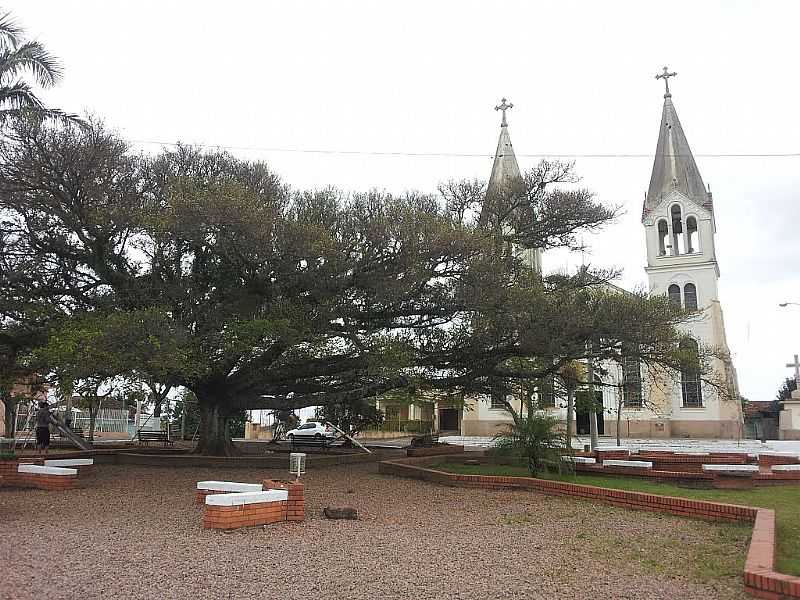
136,533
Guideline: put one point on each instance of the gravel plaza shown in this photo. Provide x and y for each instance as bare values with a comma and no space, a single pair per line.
136,533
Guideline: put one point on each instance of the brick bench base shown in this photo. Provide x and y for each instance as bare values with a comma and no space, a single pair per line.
246,515
261,513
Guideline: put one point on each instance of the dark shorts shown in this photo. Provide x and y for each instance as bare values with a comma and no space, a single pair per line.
43,436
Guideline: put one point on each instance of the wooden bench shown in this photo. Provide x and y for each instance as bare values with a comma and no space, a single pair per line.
309,440
145,437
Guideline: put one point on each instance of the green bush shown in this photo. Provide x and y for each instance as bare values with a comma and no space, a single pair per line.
536,441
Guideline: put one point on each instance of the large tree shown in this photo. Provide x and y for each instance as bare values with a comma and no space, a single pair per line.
204,271
208,271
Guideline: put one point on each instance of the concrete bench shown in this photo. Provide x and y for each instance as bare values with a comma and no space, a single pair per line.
767,459
784,468
732,477
631,464
582,460
745,469
69,462
46,478
248,509
43,470
85,466
613,452
206,488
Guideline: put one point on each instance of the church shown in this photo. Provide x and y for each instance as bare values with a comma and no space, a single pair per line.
679,230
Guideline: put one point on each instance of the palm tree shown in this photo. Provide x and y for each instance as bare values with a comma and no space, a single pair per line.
20,60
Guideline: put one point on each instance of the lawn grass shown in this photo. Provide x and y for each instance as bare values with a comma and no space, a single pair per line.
784,500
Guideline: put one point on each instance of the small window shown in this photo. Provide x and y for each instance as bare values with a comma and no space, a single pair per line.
663,237
308,426
674,293
690,296
690,377
692,235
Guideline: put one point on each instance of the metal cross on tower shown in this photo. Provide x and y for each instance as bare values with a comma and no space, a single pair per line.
796,366
504,107
665,76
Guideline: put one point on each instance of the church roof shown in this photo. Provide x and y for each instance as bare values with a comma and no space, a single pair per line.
674,167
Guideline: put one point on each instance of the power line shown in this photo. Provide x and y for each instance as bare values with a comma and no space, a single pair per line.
461,154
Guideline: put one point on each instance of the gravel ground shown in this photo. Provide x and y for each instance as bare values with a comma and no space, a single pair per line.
136,534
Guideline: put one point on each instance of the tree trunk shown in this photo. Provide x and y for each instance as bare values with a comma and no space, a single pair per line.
592,408
619,415
570,415
10,417
93,409
214,437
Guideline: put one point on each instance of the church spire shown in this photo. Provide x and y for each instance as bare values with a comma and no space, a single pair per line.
505,170
674,167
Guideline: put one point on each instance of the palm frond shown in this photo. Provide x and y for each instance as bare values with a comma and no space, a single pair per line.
41,113
10,31
30,57
19,95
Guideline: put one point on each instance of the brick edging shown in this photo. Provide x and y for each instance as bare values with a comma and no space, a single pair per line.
760,578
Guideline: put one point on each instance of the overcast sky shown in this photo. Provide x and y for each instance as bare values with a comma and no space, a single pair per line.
423,77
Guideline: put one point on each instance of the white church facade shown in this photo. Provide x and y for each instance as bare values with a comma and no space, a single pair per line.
679,227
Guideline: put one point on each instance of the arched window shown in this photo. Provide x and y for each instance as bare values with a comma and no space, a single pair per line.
674,293
692,235
690,296
690,376
631,378
677,230
663,237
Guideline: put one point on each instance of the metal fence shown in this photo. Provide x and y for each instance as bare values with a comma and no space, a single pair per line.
109,420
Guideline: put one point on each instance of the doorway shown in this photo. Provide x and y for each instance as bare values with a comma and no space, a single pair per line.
582,426
448,419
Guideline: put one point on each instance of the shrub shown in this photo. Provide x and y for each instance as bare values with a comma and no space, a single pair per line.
536,440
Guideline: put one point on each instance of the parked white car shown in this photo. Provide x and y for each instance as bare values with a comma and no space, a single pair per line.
311,429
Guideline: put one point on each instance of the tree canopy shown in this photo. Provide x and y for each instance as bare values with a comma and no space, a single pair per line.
205,271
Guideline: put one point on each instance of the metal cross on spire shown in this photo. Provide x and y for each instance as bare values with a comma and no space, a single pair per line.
665,76
796,366
504,107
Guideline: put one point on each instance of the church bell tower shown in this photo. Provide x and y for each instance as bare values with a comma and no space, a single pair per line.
678,217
